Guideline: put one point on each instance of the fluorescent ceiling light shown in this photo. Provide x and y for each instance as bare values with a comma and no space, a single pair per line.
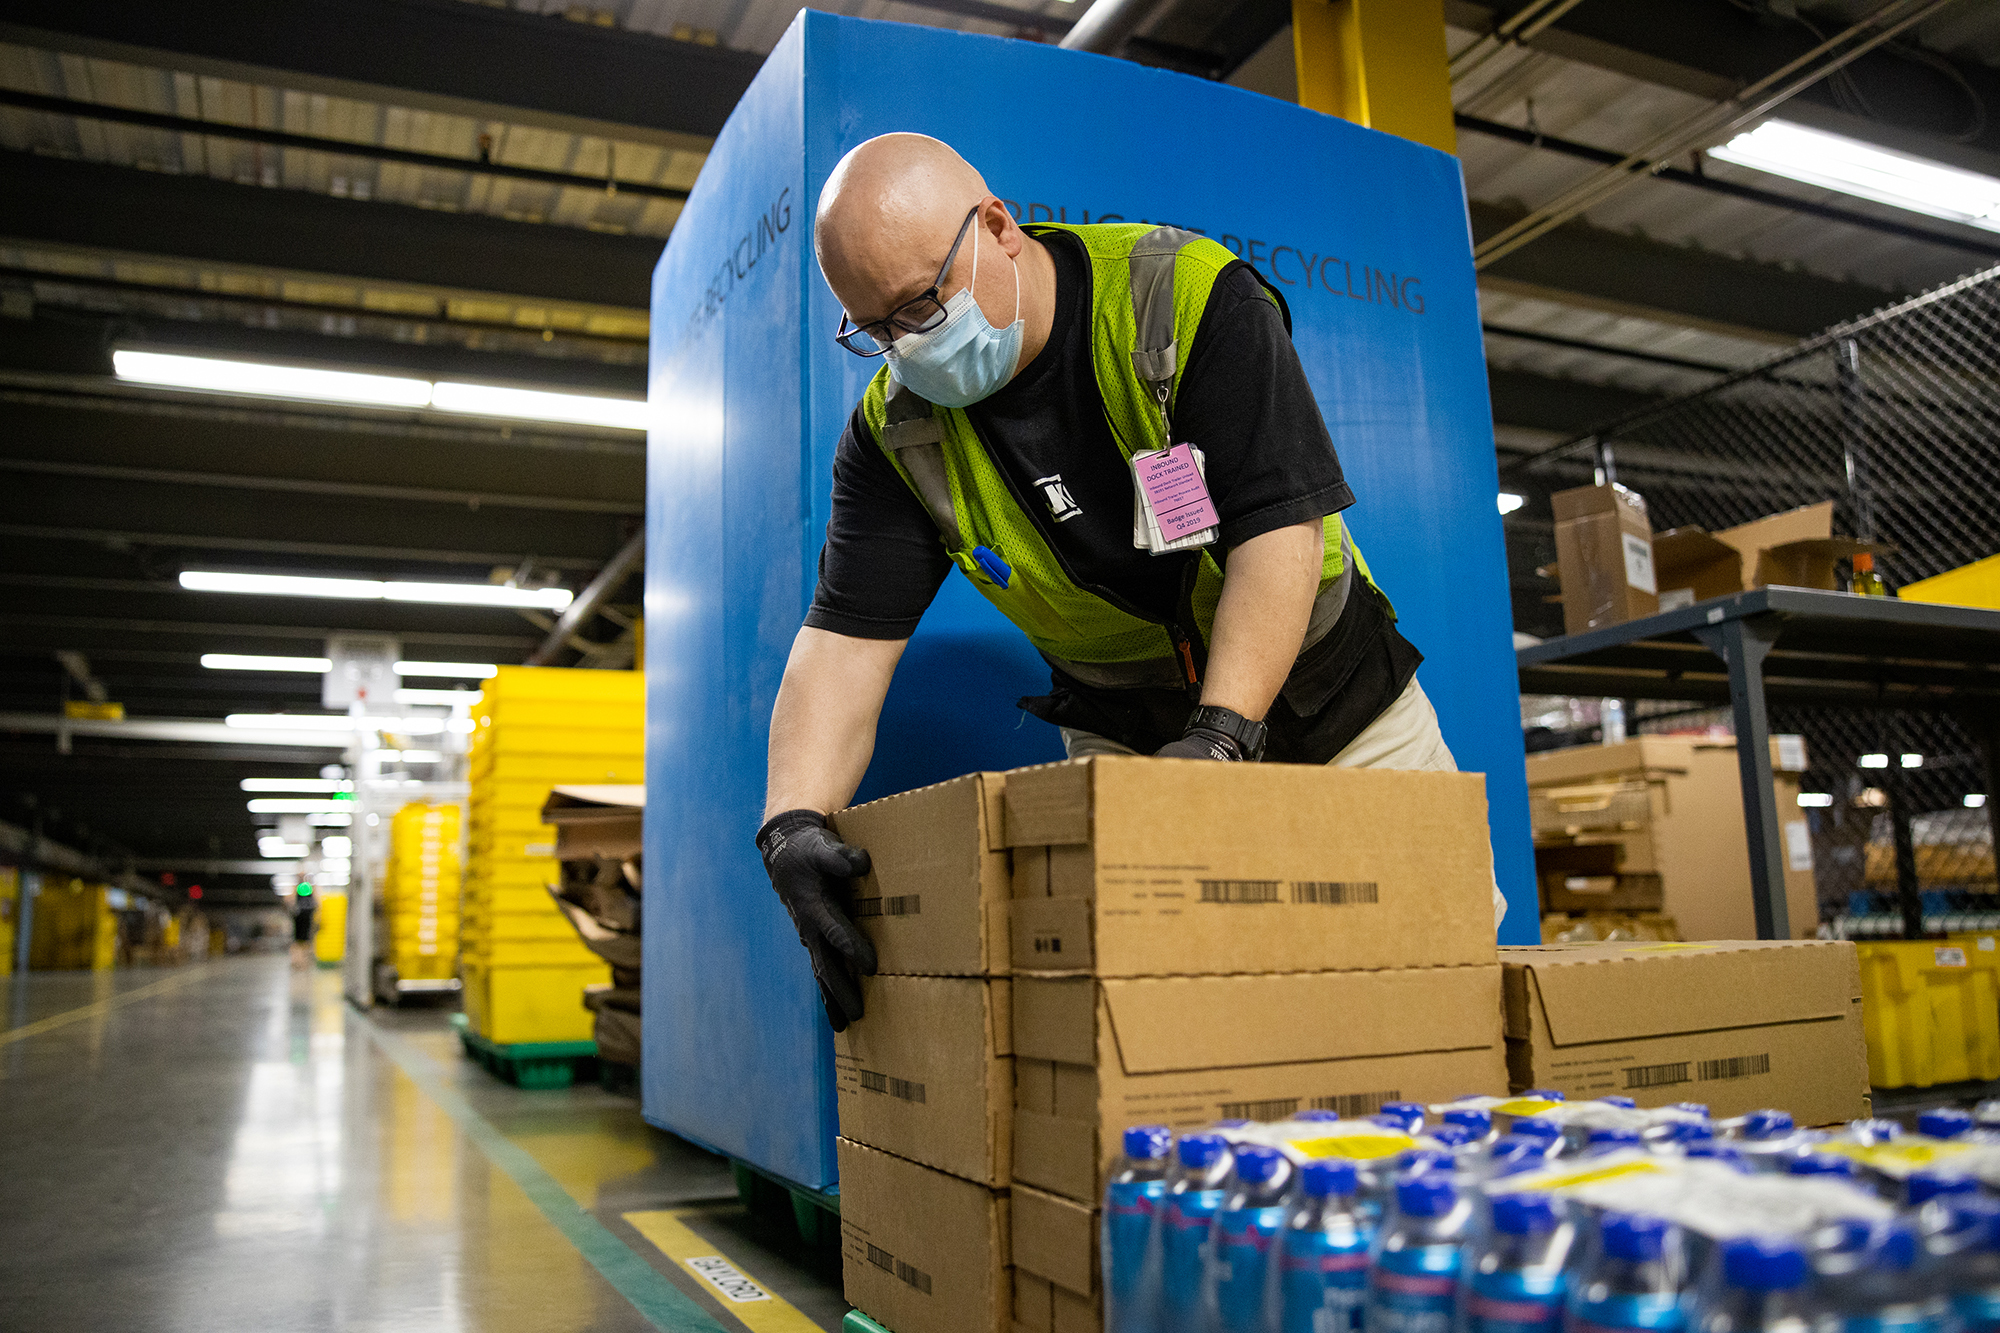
335,865
301,786
407,726
408,757
277,848
1815,799
296,805
337,846
329,821
374,590
1975,800
211,374
447,698
449,670
1913,761
255,662
1874,761
1836,162
1509,501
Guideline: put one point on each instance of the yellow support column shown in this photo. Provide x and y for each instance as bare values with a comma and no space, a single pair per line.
1379,63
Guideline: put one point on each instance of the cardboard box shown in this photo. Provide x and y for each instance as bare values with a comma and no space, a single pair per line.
934,901
596,821
1604,550
1055,1260
1738,1025
1687,828
922,1251
1128,867
1094,1056
928,1074
1602,893
1041,1306
1795,549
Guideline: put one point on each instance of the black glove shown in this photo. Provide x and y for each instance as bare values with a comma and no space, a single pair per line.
1214,732
807,865
1201,743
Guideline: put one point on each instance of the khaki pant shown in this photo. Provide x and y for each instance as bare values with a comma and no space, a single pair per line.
1405,735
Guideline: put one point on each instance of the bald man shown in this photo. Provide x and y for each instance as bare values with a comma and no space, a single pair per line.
1031,424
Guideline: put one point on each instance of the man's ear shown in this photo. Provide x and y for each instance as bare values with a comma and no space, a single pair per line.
997,220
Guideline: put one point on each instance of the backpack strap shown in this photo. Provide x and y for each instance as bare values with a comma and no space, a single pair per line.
1154,355
912,432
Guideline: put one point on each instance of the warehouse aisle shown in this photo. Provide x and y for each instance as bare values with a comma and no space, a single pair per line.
231,1146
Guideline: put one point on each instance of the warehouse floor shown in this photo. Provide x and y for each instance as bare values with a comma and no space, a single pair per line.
231,1146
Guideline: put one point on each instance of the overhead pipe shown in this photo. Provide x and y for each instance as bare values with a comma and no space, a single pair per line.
579,612
1109,24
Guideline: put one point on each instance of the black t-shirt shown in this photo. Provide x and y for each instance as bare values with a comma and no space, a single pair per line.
1243,400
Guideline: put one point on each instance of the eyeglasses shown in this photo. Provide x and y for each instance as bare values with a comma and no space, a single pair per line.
919,314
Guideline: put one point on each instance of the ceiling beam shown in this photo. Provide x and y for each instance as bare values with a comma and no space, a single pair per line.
1570,407
149,212
482,61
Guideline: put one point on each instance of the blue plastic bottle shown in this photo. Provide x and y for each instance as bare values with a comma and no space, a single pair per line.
1766,1139
1602,1141
1408,1116
1944,1123
1973,1268
1514,1153
1245,1230
1889,1292
1473,1120
1821,1164
1194,1192
1924,1186
1513,1281
1762,1289
1131,1211
1625,1103
1715,1152
1634,1282
1323,1276
1317,1116
1415,1265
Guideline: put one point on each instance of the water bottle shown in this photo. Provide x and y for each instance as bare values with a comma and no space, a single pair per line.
1317,1116
1415,1263
1766,1139
1944,1122
1246,1225
1323,1276
1602,1141
1539,1127
1477,1123
1194,1192
1513,1279
1512,1154
1633,1282
1824,1164
1131,1210
1710,1150
1888,1292
1624,1103
1692,1108
1761,1289
1408,1116
1924,1186
1973,1271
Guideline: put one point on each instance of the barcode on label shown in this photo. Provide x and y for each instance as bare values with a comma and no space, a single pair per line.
1743,1066
881,1258
1333,893
902,1088
908,904
1356,1103
1656,1076
1240,890
1276,1108
916,1277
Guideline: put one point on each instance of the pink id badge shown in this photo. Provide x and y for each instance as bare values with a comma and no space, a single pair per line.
1175,495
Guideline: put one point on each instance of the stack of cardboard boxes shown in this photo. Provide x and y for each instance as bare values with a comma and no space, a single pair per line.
1073,949
420,891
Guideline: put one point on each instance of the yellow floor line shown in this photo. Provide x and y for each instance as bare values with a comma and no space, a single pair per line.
106,1005
747,1300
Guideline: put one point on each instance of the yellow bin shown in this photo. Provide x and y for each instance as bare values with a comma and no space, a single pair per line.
1931,1011
1976,584
330,930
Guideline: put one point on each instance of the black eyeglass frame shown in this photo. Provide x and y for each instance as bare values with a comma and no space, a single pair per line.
889,324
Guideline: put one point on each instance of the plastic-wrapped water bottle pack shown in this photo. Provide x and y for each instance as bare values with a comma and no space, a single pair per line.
1534,1214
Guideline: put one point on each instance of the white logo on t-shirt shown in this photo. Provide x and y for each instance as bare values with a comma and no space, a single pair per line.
1062,505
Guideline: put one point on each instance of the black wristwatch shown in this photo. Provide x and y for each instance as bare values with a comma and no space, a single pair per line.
1249,736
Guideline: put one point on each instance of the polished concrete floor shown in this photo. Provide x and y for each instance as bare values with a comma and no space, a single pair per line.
231,1146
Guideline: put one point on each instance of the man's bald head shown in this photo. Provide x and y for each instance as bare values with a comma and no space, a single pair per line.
887,216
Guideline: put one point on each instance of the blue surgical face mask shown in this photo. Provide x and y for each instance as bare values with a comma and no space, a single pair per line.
965,358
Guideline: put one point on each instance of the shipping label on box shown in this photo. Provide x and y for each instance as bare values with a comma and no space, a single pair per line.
934,901
1738,1024
927,1073
1094,1057
922,1251
1128,867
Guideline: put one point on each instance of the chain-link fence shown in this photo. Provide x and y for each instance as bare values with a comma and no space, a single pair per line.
1896,419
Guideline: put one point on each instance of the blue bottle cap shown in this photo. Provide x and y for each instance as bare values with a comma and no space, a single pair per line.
1819,1164
1425,1194
1478,1121
1625,1102
1923,1186
1317,1116
1144,1143
1256,1164
1200,1150
1523,1214
1892,1247
1546,1095
1520,1145
1763,1264
1715,1152
1233,1124
1702,1133
1423,1159
1410,1114
1876,1131
1946,1122
1325,1179
1536,1127
1452,1136
1767,1124
1636,1237
1613,1138
1694,1108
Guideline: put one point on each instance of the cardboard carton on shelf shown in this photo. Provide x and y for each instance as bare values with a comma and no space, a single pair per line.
1604,556
1132,867
928,1073
1605,927
922,1251
1094,1056
1687,828
934,901
1795,549
1736,1024
1056,1270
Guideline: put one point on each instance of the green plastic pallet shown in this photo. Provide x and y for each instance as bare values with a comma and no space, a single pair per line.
530,1065
816,1213
857,1322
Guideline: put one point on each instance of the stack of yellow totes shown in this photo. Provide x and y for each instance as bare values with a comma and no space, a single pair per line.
534,727
420,892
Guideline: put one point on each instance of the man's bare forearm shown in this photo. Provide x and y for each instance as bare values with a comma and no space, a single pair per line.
1267,597
823,724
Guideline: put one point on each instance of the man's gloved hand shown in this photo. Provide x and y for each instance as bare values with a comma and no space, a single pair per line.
1214,732
809,867
1201,743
